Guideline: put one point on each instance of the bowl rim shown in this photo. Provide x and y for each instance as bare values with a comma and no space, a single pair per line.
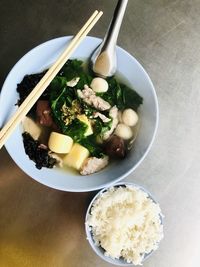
109,183
88,232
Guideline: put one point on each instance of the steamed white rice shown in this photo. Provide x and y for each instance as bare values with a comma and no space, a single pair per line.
126,223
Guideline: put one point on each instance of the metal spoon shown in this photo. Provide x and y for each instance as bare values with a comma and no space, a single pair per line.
104,59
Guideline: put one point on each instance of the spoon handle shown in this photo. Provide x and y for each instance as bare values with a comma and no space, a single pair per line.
114,28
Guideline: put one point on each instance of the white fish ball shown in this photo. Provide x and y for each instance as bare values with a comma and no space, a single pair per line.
129,117
99,85
123,131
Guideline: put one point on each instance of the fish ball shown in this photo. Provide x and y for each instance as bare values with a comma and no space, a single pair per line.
129,117
99,85
123,131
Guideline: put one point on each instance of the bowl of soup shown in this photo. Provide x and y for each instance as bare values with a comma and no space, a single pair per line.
85,132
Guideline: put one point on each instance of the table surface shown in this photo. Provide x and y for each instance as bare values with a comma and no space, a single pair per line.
42,227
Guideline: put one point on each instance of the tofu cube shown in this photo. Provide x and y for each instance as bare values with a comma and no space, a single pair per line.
60,143
76,156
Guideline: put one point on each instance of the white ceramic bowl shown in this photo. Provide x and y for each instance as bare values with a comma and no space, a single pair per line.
98,249
42,57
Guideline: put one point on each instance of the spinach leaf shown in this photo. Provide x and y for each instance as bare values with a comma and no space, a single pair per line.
69,125
84,79
114,95
66,97
131,98
94,148
57,84
64,101
101,127
88,110
56,105
76,130
71,69
121,95
65,108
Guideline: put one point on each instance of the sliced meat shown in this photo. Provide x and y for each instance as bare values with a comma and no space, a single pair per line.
101,116
43,112
89,97
113,113
93,164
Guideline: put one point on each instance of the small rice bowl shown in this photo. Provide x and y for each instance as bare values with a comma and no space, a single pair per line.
126,223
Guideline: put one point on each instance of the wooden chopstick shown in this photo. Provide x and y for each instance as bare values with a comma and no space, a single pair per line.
45,81
47,78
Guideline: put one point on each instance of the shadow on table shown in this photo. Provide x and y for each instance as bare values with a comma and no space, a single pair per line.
38,224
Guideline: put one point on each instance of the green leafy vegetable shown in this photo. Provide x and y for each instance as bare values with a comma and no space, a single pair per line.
88,110
91,144
72,69
65,116
57,84
66,105
101,127
121,95
69,113
65,98
131,98
76,130
84,79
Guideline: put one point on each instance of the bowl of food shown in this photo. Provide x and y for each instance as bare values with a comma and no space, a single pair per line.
124,224
84,133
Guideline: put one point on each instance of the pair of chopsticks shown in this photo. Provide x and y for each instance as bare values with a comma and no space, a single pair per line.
47,78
